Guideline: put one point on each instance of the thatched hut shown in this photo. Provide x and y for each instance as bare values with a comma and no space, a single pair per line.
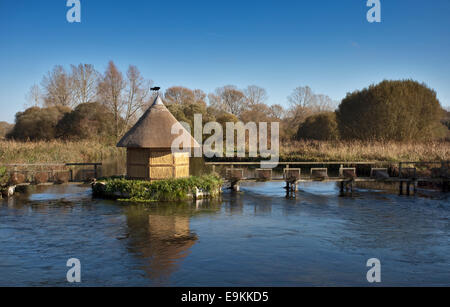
149,146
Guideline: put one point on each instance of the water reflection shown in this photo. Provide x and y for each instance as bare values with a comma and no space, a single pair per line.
160,235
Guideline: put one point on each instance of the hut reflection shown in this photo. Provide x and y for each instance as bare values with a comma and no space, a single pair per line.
161,235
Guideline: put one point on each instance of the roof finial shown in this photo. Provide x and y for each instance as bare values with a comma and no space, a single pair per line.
158,100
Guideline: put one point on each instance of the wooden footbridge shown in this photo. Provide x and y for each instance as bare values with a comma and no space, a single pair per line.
406,174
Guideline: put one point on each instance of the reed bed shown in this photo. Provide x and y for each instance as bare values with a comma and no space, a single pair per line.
365,151
309,151
13,152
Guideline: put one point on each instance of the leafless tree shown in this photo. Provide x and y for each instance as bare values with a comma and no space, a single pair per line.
110,90
137,94
277,111
304,102
302,96
84,83
179,95
228,99
255,95
324,103
57,86
34,96
199,97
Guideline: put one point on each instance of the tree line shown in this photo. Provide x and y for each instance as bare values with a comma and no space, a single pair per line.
81,103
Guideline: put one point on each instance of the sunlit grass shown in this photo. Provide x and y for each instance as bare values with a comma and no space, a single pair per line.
365,151
56,152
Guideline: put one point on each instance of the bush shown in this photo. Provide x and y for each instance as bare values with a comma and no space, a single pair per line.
4,177
162,190
5,128
321,127
36,123
89,121
391,110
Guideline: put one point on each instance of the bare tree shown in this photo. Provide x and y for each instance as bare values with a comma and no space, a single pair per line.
277,111
199,97
228,99
34,96
84,83
324,103
302,96
110,90
137,94
214,101
57,86
255,95
179,95
302,100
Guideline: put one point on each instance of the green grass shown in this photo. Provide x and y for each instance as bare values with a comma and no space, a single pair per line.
4,177
162,190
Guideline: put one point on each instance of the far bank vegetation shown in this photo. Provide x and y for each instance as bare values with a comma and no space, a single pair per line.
78,114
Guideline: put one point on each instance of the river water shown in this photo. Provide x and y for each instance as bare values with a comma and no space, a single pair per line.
256,237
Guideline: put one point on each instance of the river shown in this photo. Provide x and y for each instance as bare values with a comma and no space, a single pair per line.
256,237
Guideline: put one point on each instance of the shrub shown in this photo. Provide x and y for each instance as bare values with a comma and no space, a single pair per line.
162,190
89,121
37,123
4,176
321,127
5,128
391,110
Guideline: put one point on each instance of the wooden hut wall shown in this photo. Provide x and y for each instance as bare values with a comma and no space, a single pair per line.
137,163
165,165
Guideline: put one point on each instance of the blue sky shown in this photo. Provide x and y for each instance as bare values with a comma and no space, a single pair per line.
279,45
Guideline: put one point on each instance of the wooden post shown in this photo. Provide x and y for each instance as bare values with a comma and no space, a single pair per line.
342,188
235,186
95,171
400,171
401,187
408,188
214,168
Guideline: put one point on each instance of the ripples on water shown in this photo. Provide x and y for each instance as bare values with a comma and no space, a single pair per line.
253,238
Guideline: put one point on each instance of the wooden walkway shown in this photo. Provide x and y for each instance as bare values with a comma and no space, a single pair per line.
407,178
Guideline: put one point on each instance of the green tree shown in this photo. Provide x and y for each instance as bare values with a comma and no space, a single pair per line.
322,127
390,110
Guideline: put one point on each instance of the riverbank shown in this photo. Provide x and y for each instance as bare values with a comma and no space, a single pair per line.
308,151
365,151
12,152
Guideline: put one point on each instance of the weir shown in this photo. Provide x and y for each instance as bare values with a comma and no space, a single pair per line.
348,174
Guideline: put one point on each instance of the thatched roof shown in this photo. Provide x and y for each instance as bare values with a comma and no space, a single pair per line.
153,130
